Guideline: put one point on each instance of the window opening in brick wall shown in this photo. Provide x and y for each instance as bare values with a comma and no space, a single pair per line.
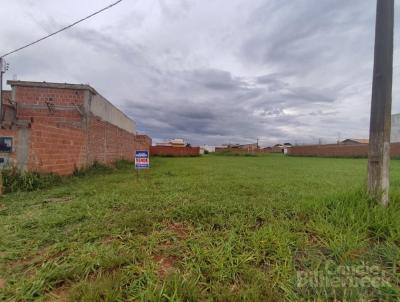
6,144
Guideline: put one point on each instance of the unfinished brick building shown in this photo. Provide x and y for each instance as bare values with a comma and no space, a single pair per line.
57,128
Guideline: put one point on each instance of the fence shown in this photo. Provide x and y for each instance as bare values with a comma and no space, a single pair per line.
245,151
174,151
338,150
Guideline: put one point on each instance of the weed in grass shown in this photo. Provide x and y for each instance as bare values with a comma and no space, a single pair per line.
14,181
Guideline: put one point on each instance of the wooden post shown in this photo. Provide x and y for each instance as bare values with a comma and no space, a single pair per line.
381,104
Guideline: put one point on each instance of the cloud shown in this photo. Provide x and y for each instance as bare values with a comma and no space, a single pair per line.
211,72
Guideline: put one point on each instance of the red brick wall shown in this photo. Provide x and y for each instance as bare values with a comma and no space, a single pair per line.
242,151
8,112
31,105
43,115
6,96
336,150
64,140
57,140
56,149
395,150
62,149
39,95
143,142
174,151
108,143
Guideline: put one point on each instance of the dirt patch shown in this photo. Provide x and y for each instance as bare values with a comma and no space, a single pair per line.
181,230
108,240
163,255
58,294
312,237
22,263
30,263
166,264
2,283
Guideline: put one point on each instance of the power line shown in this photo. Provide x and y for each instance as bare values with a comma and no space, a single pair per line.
62,29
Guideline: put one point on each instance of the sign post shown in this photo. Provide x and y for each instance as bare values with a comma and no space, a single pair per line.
142,161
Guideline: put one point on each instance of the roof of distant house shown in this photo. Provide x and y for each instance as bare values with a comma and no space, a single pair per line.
250,144
177,141
356,140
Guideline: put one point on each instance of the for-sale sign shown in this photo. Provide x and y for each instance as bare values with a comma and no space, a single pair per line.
142,160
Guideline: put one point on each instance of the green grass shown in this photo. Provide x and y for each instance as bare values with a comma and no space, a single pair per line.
211,228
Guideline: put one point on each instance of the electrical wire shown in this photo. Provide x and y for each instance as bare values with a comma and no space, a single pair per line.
62,29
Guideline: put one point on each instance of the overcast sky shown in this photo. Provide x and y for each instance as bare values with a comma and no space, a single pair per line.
212,72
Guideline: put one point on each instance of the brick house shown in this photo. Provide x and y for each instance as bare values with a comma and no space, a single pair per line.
57,128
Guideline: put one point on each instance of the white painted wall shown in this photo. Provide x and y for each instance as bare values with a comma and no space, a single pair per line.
102,108
209,148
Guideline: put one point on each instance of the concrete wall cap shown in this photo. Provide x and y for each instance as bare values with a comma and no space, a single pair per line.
52,85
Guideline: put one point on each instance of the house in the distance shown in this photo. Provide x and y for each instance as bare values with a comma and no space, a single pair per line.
176,142
394,133
243,147
249,147
280,148
208,148
355,141
59,127
175,147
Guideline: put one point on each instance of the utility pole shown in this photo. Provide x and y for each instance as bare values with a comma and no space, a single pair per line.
381,104
3,68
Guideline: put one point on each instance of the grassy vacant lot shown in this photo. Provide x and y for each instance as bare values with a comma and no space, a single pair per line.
220,228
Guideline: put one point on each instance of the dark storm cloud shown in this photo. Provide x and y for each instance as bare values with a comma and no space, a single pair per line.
215,79
214,112
300,34
211,71
309,95
272,81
